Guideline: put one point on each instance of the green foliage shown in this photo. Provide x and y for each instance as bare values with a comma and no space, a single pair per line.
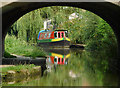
7,55
20,47
17,67
36,52
102,38
88,28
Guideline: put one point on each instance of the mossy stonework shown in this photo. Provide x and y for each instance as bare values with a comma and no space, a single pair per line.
21,74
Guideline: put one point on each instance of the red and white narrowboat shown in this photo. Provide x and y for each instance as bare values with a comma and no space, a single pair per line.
53,38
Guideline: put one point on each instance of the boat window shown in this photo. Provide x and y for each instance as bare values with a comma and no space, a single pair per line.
62,59
55,34
66,34
62,34
58,59
49,35
41,35
58,35
45,35
55,60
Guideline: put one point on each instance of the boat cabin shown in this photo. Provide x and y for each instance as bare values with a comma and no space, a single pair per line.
48,34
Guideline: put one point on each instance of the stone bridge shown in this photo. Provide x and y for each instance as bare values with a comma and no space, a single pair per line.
108,10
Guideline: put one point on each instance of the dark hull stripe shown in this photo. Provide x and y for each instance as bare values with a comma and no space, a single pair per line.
63,43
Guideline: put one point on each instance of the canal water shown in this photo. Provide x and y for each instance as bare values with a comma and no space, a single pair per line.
74,67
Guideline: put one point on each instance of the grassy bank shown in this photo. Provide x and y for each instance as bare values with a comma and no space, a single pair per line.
20,47
20,72
17,67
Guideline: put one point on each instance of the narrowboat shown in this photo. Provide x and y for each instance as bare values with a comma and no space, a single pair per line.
53,38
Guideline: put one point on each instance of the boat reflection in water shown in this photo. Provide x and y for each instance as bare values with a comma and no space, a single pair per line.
56,58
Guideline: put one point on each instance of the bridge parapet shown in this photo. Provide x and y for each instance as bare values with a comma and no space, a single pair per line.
6,2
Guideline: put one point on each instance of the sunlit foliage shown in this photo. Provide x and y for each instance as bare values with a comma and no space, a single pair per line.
87,28
20,47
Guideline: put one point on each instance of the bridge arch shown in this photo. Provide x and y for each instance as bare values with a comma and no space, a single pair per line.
106,10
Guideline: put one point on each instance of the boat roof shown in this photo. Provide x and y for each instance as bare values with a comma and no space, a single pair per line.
45,31
51,30
60,30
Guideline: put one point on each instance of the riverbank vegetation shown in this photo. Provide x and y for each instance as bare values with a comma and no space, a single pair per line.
18,46
86,28
13,69
19,72
17,67
83,69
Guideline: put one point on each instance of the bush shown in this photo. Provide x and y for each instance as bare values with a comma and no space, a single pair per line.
20,47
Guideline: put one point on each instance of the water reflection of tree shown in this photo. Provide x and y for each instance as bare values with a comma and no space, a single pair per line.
90,67
94,65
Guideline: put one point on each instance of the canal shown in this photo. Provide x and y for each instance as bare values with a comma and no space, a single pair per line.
74,67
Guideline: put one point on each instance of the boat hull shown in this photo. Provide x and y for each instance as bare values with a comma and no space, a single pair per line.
55,44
